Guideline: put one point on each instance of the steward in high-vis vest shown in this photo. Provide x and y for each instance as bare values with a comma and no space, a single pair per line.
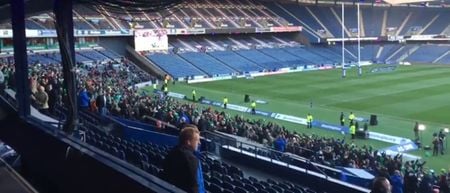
193,95
253,106
351,118
166,90
352,130
225,102
309,120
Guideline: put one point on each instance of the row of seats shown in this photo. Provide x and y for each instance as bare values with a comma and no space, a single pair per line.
80,56
241,61
204,14
324,21
219,177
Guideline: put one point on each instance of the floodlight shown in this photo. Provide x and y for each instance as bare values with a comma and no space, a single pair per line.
422,127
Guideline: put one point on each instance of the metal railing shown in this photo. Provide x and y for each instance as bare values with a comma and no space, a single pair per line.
260,151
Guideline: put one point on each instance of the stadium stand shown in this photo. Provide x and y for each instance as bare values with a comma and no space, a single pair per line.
235,61
175,66
427,53
207,63
213,55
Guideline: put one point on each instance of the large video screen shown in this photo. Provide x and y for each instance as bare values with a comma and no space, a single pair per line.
151,40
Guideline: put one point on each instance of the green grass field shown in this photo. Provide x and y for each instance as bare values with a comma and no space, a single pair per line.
411,93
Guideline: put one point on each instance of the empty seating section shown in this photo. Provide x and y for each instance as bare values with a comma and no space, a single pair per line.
327,18
328,54
219,177
307,56
403,52
238,14
388,50
302,13
445,59
109,54
99,54
207,63
94,55
32,25
207,14
373,21
417,21
174,65
80,24
439,25
40,58
427,53
351,19
395,18
261,59
369,52
80,58
283,56
235,61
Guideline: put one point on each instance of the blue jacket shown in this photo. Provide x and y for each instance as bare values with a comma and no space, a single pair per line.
200,181
280,144
397,184
84,99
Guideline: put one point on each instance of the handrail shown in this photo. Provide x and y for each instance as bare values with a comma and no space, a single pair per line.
240,144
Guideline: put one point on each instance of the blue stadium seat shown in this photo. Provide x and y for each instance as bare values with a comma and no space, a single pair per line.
250,188
238,183
227,191
214,188
216,180
240,190
227,178
227,185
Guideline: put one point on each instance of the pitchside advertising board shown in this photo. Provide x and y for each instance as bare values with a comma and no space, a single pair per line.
151,40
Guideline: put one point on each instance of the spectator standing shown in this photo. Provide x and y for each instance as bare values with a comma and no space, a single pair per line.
352,129
435,145
52,98
381,185
443,182
397,182
416,131
351,117
41,100
84,99
225,102
253,106
309,120
342,119
2,81
280,143
101,102
182,167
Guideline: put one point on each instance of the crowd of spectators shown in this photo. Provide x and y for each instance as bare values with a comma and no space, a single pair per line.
109,89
